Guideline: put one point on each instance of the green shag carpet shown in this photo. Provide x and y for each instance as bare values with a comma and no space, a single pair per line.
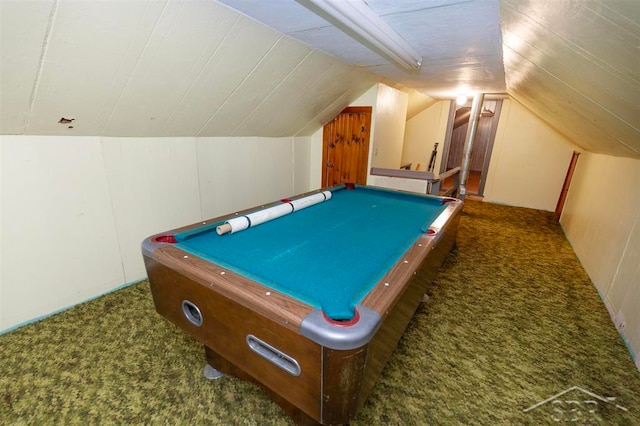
512,321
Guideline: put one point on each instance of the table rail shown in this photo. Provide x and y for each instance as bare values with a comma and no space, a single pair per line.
434,182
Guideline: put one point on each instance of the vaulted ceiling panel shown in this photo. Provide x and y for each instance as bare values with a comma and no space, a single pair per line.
271,72
81,56
237,56
160,68
151,22
303,93
574,115
163,65
308,105
284,15
275,68
459,41
576,65
331,39
578,72
20,59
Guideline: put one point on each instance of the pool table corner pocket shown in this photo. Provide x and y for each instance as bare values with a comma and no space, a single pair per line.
335,336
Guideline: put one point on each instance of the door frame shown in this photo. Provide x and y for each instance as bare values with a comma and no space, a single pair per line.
489,148
567,184
365,158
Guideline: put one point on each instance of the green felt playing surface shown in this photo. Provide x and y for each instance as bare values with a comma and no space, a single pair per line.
328,255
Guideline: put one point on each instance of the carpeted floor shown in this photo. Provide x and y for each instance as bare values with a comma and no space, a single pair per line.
511,321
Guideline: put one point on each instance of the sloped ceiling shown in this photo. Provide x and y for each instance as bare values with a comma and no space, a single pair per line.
459,40
207,68
576,64
161,68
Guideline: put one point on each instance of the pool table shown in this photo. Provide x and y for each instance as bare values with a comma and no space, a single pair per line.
307,296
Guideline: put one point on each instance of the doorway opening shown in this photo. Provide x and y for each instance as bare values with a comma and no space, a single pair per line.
482,147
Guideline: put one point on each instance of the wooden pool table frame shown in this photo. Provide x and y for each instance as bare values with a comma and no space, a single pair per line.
332,384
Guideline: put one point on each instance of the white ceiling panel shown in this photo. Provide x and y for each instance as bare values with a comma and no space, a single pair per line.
128,66
217,81
80,60
157,68
271,72
297,99
581,73
589,28
333,41
575,116
576,65
284,15
329,111
24,28
308,104
459,39
166,66
274,68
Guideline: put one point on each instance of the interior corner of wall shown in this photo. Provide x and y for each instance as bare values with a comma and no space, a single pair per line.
368,98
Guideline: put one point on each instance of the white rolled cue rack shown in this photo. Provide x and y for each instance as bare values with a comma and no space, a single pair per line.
240,223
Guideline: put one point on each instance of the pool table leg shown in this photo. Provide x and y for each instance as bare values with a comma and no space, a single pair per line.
211,373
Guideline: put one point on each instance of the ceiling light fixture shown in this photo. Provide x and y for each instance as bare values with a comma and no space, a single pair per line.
360,22
461,100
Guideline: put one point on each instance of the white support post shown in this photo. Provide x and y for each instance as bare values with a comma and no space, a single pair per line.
476,109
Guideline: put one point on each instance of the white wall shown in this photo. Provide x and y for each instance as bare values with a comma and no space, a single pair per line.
529,161
1,226
75,209
309,150
421,132
58,231
306,165
391,115
238,173
601,219
153,186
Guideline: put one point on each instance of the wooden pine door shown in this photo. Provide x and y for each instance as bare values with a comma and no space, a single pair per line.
345,147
